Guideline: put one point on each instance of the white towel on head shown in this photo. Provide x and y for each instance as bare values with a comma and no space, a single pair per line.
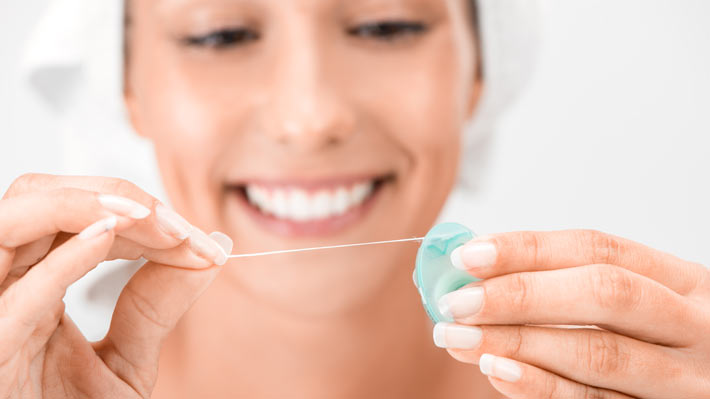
74,60
509,44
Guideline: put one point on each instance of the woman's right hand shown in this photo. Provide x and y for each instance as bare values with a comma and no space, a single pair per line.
53,230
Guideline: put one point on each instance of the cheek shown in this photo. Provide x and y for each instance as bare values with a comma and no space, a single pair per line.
186,121
435,109
178,117
420,103
435,113
179,103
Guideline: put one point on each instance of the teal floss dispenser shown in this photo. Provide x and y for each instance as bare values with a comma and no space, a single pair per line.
434,274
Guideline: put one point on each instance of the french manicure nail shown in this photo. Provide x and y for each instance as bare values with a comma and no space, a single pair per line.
500,367
98,228
474,254
203,245
172,223
225,244
461,303
123,206
455,336
207,247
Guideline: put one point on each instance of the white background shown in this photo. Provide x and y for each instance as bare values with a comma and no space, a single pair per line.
613,133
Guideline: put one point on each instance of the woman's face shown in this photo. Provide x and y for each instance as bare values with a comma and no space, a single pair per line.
300,123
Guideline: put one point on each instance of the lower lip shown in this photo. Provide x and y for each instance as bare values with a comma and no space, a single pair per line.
313,228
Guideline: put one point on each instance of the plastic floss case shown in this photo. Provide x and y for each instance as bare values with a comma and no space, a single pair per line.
434,275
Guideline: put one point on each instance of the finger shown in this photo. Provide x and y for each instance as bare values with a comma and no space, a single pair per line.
607,296
26,302
196,252
32,253
35,215
161,229
589,356
44,330
149,307
506,253
38,182
518,380
181,256
7,256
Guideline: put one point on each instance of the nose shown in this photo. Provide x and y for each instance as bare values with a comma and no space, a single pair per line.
307,110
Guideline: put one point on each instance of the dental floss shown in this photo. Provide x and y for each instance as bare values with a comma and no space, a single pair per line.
286,251
434,274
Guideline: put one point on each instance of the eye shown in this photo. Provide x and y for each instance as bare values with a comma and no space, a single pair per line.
222,38
387,30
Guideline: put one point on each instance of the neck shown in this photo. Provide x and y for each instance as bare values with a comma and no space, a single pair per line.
382,349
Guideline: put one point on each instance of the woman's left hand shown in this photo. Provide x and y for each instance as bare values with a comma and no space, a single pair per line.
646,314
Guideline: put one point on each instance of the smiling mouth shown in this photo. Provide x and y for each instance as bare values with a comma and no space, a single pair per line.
309,208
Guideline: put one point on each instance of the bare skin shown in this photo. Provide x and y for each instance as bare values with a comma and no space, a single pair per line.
43,353
298,104
246,97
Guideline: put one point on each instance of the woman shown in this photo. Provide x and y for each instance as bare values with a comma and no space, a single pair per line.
304,123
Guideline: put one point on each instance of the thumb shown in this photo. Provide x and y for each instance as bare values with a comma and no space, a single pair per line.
147,310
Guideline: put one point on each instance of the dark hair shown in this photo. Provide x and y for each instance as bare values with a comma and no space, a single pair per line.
475,27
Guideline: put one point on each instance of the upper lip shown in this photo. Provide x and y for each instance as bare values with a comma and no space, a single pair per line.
311,184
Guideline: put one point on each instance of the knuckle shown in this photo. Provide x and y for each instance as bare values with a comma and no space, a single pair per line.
125,188
119,186
533,244
602,354
551,387
23,183
134,374
702,282
614,288
65,194
554,388
146,309
519,292
588,392
601,247
516,342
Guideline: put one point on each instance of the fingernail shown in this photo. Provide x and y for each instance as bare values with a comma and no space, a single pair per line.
500,367
172,223
205,246
225,244
123,206
456,336
98,228
461,303
474,254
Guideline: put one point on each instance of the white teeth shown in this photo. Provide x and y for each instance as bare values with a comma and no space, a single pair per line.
278,204
360,192
321,205
341,201
299,205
